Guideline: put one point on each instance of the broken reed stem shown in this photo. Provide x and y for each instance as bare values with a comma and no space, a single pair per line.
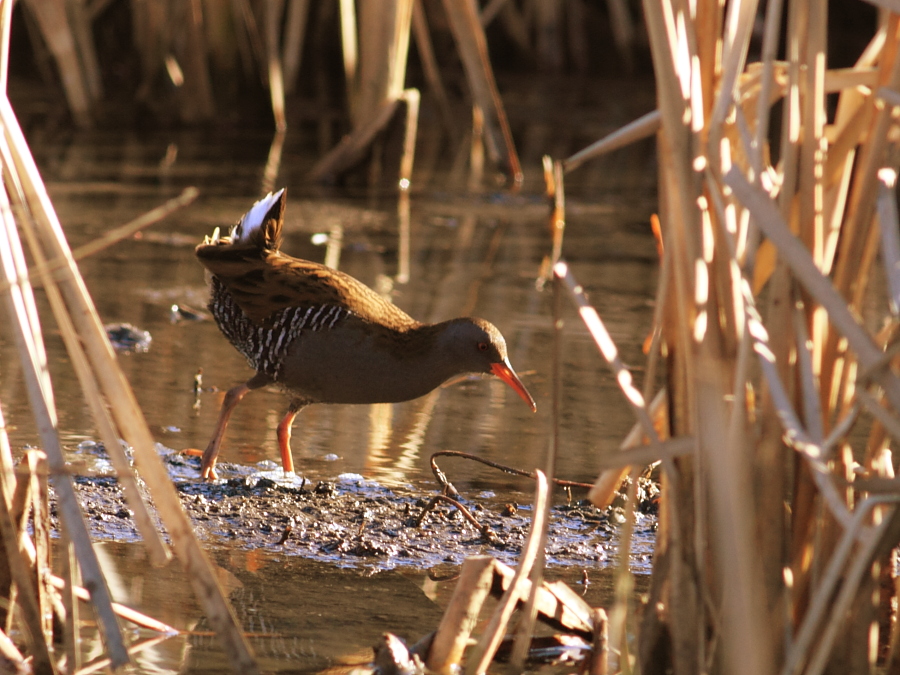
136,648
483,653
600,654
461,615
127,613
643,127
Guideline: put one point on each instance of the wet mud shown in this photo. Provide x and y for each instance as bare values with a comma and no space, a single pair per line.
354,522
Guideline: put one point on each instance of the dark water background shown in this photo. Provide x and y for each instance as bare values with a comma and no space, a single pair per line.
481,250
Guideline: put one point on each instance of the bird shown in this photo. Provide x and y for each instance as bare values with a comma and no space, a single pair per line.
324,337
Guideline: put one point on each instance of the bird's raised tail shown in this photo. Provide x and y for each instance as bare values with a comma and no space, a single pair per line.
261,225
259,228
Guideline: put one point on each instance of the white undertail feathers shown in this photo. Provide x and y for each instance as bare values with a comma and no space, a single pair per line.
254,217
250,222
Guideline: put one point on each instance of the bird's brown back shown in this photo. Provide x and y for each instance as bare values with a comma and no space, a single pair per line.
263,282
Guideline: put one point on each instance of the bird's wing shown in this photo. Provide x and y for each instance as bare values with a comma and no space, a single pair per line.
263,283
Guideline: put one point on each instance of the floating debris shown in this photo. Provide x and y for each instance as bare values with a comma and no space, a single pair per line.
186,313
126,338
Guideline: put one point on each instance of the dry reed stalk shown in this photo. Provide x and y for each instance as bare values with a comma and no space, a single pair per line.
136,648
600,657
677,542
525,628
158,551
729,215
127,613
72,624
548,31
57,33
273,163
125,411
641,128
11,659
608,350
294,37
452,635
36,460
21,570
483,653
384,46
404,235
430,67
803,267
350,52
646,425
273,14
411,98
558,604
27,333
472,46
383,39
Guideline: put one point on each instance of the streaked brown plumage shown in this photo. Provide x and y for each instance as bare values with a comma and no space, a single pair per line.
324,336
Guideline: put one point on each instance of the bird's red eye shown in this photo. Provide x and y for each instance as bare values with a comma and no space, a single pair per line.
482,346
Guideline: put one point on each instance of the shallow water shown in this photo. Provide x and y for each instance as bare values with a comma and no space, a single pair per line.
482,254
300,612
477,254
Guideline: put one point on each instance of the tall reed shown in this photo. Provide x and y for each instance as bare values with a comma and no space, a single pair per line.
773,553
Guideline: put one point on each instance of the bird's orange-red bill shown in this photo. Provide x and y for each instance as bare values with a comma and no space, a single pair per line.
505,372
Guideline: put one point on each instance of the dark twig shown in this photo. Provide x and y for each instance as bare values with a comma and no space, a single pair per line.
484,529
448,489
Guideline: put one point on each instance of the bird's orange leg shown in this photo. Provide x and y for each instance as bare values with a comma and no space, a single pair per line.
284,435
232,398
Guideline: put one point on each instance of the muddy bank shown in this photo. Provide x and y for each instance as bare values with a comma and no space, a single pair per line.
351,521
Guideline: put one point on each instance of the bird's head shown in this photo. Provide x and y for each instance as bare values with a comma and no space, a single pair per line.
478,347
